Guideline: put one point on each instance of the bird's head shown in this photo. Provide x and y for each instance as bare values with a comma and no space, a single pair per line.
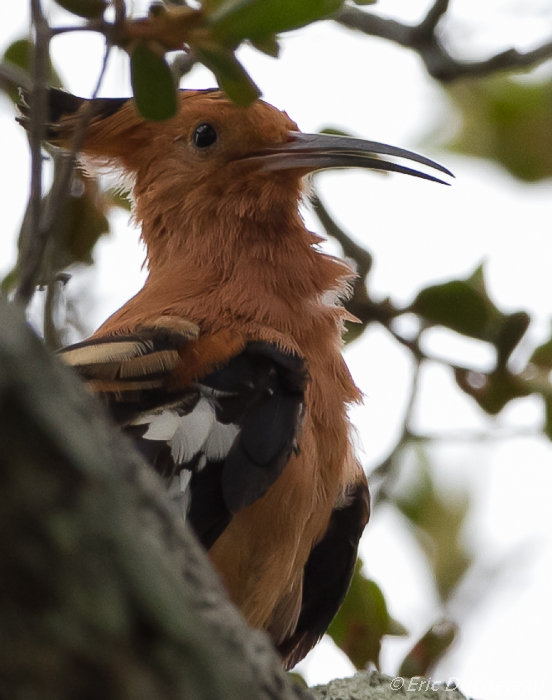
211,138
213,161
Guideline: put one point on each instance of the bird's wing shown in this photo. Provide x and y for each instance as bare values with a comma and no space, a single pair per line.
220,441
328,572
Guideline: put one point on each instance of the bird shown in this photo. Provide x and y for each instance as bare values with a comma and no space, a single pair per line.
226,368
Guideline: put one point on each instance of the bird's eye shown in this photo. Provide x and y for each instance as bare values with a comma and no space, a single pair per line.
204,136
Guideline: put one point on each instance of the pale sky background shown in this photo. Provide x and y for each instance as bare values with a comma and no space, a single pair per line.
419,233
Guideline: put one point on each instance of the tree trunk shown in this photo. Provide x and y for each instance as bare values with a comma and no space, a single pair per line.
104,594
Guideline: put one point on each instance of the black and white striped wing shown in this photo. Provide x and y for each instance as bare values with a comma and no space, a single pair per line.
222,441
227,441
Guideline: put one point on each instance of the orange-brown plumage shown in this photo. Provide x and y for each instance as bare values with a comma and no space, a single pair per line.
230,260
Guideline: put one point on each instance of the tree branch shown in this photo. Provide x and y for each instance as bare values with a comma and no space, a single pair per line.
423,38
41,229
33,240
12,75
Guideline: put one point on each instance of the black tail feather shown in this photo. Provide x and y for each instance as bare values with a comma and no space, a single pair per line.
62,104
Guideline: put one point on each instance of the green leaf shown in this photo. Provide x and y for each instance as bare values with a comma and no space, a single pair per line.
438,521
396,629
511,331
80,224
542,356
296,677
548,416
85,221
455,305
362,621
152,83
429,649
19,53
209,6
116,198
465,307
494,390
268,45
89,9
254,19
9,282
508,121
78,227
353,330
230,74
333,131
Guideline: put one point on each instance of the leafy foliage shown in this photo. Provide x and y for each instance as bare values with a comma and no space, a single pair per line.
152,83
465,307
259,19
89,9
78,225
540,365
212,33
502,118
363,621
82,219
428,649
19,54
508,121
437,520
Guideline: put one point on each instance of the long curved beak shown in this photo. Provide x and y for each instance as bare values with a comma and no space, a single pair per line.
311,152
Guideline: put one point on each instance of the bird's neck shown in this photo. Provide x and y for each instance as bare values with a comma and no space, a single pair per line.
262,265
249,278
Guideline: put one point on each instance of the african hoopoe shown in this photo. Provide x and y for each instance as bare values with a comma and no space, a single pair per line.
226,367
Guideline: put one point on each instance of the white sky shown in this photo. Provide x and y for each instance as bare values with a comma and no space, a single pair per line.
419,233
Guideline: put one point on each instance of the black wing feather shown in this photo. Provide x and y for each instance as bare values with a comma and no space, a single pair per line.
208,513
328,574
268,391
220,442
258,393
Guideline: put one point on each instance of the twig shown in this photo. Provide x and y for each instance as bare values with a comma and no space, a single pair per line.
414,388
383,470
182,65
423,38
92,25
429,24
360,255
35,239
10,74
360,304
42,222
473,436
60,188
51,337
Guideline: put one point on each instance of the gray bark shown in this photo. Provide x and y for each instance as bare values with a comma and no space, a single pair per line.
368,685
104,594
